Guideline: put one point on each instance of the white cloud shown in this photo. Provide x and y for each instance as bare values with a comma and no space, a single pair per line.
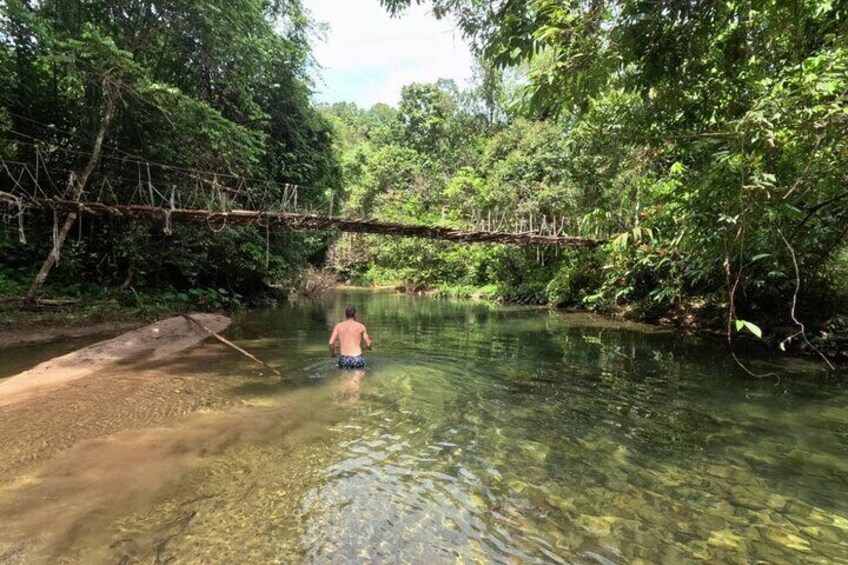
368,56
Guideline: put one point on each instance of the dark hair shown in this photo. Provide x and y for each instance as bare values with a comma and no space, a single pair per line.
350,312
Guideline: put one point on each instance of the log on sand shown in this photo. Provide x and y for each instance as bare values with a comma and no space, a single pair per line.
150,343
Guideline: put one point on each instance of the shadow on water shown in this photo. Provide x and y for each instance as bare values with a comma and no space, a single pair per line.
477,433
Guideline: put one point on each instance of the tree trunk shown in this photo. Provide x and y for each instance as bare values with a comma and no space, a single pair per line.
62,234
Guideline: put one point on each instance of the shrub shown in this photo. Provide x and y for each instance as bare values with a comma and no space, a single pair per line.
313,284
578,277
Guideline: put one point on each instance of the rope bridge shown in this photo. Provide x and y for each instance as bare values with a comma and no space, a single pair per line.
140,190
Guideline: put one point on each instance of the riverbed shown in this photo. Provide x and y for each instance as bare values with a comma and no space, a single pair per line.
477,434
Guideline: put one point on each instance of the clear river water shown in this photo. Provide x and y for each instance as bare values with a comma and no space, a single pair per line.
477,434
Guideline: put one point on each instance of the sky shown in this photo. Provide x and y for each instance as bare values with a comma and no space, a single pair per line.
367,56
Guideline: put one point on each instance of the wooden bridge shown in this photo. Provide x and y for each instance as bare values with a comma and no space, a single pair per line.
177,194
294,221
222,200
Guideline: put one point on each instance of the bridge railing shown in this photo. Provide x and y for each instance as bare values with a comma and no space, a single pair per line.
123,184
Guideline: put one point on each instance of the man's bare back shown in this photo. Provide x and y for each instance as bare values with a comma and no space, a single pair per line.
350,334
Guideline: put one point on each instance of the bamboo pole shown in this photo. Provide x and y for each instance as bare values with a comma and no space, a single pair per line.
232,345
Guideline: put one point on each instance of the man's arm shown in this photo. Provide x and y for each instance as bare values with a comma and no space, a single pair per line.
366,337
333,337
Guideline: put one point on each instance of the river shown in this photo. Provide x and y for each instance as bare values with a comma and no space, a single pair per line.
478,433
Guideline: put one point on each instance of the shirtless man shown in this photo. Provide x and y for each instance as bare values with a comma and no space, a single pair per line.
350,334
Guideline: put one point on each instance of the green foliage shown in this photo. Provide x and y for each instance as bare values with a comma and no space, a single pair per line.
464,291
579,276
217,86
196,299
832,340
751,327
10,286
705,142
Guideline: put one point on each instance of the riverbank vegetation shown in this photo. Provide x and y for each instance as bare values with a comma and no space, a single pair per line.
704,143
180,95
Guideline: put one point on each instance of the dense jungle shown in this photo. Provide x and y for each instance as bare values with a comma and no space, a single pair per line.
702,144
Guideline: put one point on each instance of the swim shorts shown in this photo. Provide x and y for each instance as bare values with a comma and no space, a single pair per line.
347,362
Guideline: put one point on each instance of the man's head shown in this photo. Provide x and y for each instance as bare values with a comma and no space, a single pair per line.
350,313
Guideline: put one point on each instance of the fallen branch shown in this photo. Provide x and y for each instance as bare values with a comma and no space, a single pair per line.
56,302
232,345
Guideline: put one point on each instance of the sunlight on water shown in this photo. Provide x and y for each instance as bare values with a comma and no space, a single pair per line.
477,434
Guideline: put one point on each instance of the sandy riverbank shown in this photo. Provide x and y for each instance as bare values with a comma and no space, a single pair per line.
139,379
122,429
150,343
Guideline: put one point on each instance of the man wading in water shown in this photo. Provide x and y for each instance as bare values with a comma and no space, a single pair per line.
350,334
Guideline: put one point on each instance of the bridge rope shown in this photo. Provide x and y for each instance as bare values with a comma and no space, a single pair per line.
294,221
220,200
